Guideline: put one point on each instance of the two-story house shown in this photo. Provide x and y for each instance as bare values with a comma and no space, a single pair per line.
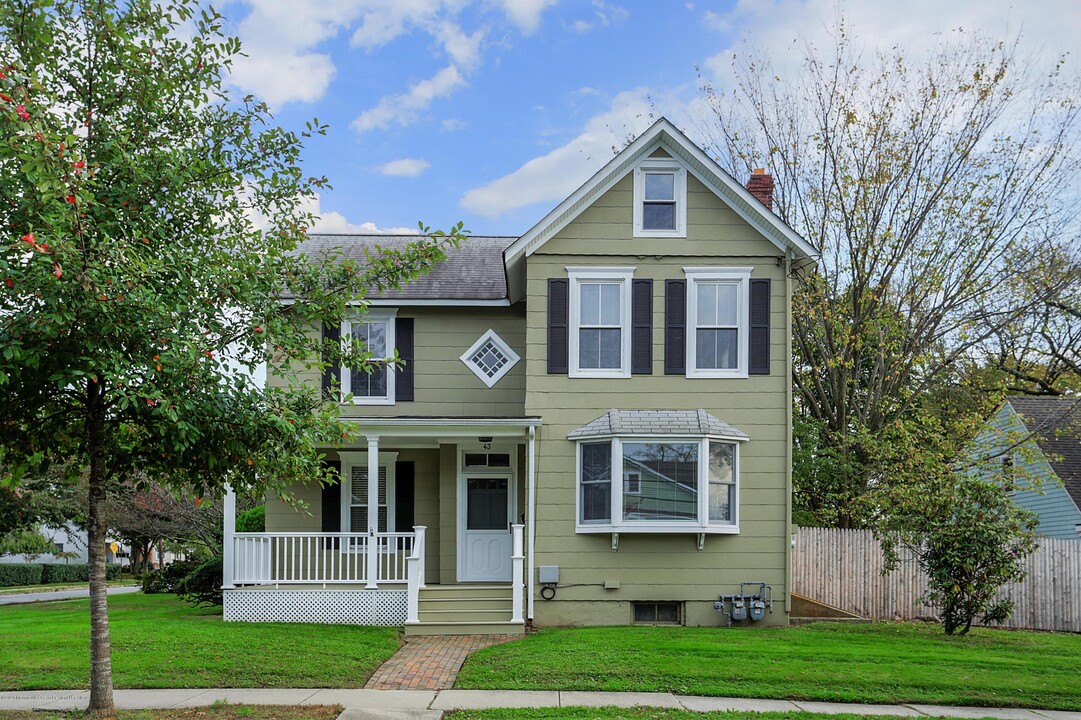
591,426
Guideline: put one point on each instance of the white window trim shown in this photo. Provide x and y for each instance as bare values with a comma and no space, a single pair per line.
739,276
372,316
579,275
504,348
351,460
680,193
616,524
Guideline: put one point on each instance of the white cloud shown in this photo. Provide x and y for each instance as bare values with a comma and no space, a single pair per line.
526,13
404,109
1048,26
463,48
406,167
453,125
333,222
552,177
286,78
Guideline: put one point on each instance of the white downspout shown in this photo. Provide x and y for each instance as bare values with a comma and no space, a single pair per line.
531,517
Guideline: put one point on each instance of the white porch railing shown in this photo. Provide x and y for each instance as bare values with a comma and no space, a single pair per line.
320,558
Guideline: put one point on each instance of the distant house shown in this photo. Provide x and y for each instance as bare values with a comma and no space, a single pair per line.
1038,441
70,544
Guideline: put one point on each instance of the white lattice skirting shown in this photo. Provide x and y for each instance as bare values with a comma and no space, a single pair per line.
334,607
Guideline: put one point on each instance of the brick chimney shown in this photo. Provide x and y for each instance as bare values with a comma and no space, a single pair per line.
761,186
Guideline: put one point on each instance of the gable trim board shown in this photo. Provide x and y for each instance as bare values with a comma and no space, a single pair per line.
663,134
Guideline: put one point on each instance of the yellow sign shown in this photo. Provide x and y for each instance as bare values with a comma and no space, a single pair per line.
114,547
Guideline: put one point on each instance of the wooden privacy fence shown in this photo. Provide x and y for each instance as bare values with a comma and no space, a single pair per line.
843,568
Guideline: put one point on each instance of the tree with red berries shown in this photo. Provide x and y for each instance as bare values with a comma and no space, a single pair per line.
133,281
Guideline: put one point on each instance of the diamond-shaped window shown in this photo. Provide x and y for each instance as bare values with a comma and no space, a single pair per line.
490,358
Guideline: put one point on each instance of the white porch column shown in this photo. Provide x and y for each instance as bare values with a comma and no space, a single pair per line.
228,543
517,560
531,515
418,549
373,511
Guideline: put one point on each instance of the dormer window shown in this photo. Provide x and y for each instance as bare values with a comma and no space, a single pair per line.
660,199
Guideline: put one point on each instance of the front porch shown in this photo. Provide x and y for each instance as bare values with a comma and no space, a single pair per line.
465,570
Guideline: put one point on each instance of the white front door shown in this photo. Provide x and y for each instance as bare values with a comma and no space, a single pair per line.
486,547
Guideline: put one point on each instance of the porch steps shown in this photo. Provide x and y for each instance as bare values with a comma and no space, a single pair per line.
465,610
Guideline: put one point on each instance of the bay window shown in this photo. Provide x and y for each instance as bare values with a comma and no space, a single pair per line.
653,484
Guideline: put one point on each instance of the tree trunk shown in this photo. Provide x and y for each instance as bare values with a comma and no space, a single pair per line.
101,667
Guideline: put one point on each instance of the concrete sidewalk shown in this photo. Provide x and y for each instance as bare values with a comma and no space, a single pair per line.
429,705
50,595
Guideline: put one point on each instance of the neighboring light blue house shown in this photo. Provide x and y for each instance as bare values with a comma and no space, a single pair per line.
1038,440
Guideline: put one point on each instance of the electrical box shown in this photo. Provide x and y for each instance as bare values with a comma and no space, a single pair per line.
549,574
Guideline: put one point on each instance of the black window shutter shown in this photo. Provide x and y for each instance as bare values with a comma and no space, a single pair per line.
331,503
332,376
675,327
759,325
557,325
404,494
403,339
642,327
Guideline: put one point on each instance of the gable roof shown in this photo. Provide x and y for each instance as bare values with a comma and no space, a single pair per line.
663,134
474,271
656,422
1056,425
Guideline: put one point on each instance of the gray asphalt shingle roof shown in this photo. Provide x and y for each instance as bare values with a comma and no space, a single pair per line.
1056,423
474,271
656,422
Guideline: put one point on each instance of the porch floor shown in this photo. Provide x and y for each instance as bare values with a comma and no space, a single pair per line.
430,662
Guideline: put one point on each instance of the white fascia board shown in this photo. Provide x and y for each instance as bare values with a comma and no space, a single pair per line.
663,134
426,302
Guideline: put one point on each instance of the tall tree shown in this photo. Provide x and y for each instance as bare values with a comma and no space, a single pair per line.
929,184
132,279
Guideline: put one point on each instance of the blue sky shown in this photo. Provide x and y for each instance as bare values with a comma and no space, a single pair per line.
492,112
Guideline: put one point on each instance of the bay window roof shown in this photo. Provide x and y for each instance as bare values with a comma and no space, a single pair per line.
657,422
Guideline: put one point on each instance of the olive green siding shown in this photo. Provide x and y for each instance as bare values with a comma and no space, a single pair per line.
660,567
444,386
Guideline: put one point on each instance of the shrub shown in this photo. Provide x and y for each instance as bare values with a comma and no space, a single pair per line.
168,578
74,572
19,574
253,520
203,585
79,572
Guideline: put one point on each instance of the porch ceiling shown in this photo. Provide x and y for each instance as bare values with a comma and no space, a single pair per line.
413,428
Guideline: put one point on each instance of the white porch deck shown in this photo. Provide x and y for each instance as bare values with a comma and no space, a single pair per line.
355,578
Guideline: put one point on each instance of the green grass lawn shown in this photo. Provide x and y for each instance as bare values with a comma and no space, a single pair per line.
159,641
875,663
213,712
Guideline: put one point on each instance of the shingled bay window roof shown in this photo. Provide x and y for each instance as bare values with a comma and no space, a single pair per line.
657,422
472,271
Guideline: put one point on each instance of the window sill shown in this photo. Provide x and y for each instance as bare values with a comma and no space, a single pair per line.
372,401
717,374
593,374
639,232
644,529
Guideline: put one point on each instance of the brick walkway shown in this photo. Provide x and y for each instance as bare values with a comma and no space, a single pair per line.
430,662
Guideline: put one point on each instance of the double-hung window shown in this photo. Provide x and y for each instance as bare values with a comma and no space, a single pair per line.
687,484
717,329
373,334
660,199
600,313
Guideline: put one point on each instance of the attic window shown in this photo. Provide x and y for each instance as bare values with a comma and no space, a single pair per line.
660,199
490,358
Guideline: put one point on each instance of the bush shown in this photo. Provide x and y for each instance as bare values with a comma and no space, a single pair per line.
74,572
168,578
79,572
253,520
203,585
19,574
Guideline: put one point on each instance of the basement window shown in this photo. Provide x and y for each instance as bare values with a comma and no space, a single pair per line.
658,613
